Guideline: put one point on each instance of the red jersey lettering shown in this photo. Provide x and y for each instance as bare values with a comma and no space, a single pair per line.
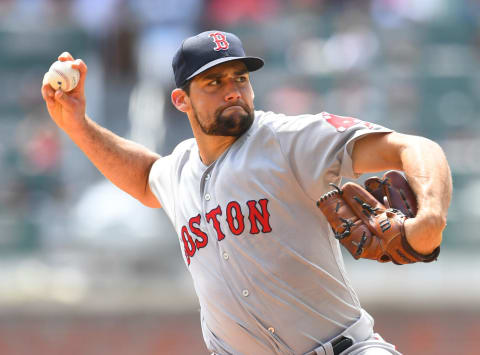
255,215
194,224
188,244
212,216
238,217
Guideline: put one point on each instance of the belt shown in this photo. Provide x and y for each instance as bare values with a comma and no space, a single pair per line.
361,330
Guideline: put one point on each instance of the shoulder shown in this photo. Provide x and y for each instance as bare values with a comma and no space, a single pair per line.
182,150
184,147
324,120
279,122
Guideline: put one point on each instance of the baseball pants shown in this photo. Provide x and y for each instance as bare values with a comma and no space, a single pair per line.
357,339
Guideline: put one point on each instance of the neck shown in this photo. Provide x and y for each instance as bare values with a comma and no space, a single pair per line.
211,147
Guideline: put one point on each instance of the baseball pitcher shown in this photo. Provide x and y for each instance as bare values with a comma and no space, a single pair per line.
257,202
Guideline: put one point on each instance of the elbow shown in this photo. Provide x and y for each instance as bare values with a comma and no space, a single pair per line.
423,143
417,146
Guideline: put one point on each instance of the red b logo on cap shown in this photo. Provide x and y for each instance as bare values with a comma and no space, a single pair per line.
220,40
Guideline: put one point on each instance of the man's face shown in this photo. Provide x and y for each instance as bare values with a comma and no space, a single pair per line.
222,100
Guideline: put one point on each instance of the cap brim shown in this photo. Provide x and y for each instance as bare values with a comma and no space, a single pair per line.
252,64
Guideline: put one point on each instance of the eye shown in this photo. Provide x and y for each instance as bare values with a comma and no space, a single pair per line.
241,79
214,82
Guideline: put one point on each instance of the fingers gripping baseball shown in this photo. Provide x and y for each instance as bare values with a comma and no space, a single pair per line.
65,56
77,64
66,108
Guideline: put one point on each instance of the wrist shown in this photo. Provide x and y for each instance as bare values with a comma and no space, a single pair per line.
74,124
424,233
431,220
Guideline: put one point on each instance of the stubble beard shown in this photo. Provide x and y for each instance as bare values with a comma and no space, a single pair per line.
232,124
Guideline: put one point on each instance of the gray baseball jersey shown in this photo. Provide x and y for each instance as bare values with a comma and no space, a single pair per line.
267,270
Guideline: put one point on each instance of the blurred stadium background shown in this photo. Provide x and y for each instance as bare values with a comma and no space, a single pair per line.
85,269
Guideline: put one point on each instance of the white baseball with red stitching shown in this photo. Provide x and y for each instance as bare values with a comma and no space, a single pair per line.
62,76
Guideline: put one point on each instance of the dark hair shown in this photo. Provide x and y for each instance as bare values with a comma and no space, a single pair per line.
186,87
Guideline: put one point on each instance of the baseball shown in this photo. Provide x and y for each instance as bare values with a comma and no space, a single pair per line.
62,76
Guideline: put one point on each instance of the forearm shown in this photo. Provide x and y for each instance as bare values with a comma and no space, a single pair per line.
428,173
125,163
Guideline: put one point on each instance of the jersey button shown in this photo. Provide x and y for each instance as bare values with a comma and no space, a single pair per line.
271,330
207,176
225,256
245,293
207,197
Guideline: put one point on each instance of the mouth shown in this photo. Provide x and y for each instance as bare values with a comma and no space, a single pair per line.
233,107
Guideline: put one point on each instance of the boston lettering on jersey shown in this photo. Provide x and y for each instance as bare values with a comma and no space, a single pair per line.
258,221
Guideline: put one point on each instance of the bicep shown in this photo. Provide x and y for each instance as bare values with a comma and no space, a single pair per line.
378,152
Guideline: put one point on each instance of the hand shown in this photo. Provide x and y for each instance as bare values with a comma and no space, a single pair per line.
424,234
67,109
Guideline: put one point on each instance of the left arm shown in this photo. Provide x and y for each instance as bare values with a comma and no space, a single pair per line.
427,172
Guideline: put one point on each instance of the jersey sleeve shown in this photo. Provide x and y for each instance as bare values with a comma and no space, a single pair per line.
161,183
319,147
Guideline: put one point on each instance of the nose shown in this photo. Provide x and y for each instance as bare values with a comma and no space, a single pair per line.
232,93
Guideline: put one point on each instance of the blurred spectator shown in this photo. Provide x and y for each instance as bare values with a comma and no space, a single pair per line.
160,32
110,24
232,12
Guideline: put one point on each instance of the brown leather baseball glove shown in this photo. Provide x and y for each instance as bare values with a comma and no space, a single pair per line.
369,221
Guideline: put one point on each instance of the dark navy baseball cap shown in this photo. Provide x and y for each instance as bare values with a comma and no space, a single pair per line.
207,49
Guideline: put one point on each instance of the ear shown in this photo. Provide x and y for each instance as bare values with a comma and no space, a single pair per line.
180,100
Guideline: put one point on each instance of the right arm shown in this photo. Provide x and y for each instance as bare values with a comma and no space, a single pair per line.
125,163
